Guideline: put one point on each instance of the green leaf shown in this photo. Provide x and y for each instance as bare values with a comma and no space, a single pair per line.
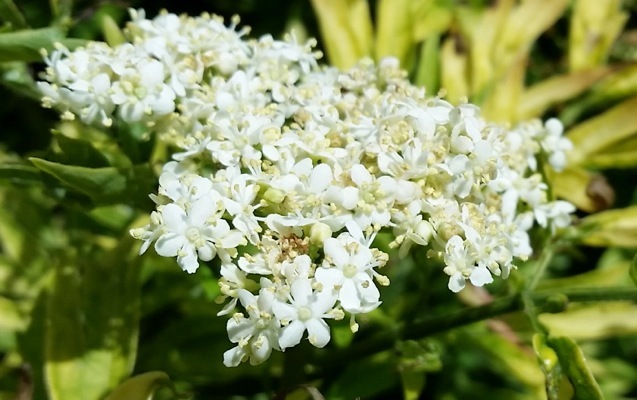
108,185
25,45
428,70
92,322
575,368
113,35
142,387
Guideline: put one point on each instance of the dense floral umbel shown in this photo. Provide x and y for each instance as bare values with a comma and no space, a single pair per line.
286,171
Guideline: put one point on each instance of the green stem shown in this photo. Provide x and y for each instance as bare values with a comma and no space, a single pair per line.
542,264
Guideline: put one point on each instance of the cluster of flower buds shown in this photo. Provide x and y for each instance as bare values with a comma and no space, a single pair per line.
286,171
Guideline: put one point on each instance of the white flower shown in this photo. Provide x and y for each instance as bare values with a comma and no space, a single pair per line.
305,311
257,335
348,270
198,232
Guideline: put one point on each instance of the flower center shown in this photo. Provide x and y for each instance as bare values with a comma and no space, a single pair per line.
193,234
305,313
349,271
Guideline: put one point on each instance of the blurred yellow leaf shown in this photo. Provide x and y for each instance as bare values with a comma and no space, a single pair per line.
571,184
522,26
394,28
595,25
454,69
598,133
617,227
430,18
401,24
501,104
346,30
594,321
612,276
539,97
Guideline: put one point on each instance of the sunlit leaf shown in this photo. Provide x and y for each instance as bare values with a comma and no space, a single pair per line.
10,315
575,368
92,320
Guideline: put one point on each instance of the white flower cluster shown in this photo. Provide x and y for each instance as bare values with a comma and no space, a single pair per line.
286,171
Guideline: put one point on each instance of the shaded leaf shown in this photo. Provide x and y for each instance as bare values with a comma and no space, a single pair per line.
11,13
108,185
20,173
632,271
81,152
